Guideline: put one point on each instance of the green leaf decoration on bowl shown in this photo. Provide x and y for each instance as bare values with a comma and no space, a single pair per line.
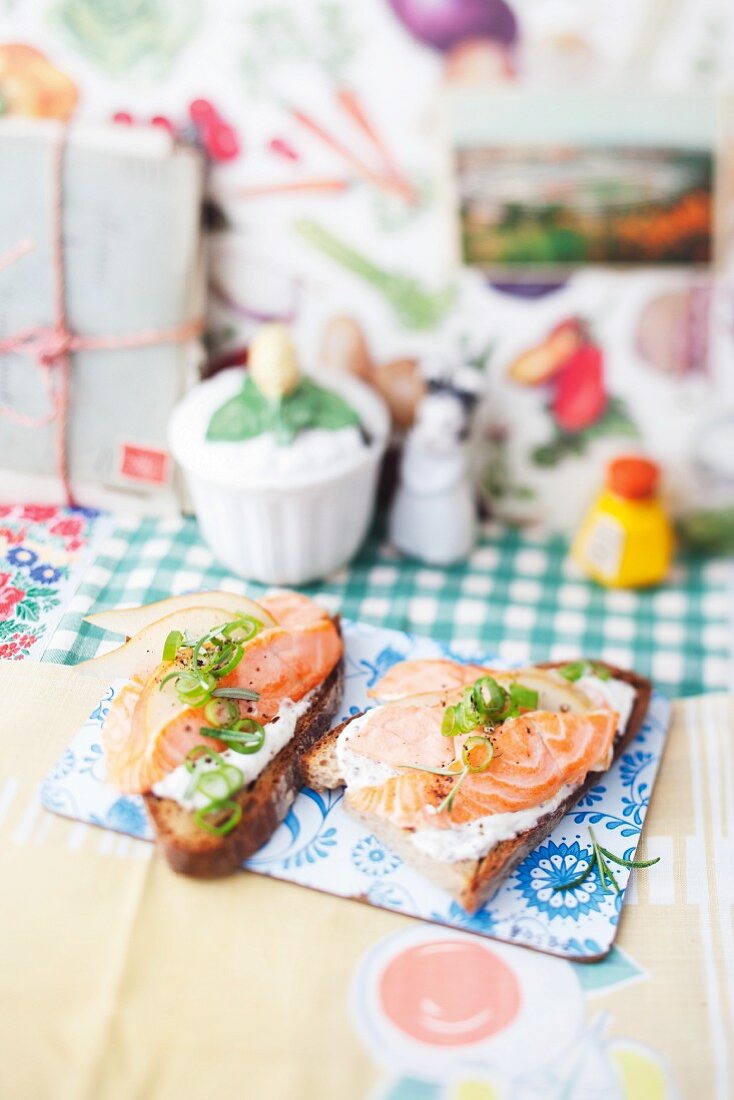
249,414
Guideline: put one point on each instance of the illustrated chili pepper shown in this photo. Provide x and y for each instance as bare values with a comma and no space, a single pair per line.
580,397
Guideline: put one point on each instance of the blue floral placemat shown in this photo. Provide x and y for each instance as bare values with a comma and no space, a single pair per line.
321,847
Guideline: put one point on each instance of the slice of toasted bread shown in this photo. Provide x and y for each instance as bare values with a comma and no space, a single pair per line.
471,881
265,802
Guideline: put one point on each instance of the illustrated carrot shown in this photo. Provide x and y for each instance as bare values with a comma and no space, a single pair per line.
286,187
384,183
352,106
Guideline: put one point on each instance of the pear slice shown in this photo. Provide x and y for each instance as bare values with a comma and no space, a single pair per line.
141,655
554,693
131,620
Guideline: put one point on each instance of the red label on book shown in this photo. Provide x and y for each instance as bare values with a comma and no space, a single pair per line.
144,464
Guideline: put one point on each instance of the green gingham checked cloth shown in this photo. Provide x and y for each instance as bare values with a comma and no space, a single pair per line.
517,596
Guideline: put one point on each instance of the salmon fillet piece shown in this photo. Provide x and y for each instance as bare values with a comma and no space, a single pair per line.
422,677
278,663
290,609
535,756
397,736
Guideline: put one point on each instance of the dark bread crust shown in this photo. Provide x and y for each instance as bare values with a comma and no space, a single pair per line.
265,802
473,881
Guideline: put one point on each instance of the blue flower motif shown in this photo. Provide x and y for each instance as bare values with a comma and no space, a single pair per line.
21,555
554,865
633,808
483,921
369,856
319,847
631,764
93,763
45,574
389,895
582,950
384,660
101,711
596,794
127,816
62,767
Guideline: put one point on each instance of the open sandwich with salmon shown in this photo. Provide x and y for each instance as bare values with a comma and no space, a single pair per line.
218,704
463,770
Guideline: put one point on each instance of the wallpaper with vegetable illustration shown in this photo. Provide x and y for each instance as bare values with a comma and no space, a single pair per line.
319,121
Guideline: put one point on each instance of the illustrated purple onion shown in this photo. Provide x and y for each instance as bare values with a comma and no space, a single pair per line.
443,24
521,289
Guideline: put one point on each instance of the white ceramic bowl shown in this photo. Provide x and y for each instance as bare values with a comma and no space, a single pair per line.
278,528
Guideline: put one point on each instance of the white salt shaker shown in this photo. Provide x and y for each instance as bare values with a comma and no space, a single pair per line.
433,516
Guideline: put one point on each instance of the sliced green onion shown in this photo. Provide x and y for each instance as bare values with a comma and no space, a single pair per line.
227,778
221,712
482,704
573,671
213,656
471,713
523,698
236,693
201,642
469,750
448,722
244,629
215,807
489,696
576,669
196,689
221,782
229,657
464,721
234,776
171,645
213,784
170,676
247,736
197,753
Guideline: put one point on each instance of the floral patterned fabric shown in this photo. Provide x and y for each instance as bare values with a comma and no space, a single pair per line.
42,552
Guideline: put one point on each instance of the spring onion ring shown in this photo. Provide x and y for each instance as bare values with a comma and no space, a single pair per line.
221,712
200,817
172,644
469,750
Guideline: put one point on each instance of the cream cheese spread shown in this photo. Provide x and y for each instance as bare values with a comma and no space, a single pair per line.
278,733
474,839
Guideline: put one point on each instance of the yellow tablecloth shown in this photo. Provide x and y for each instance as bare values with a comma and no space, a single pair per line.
120,979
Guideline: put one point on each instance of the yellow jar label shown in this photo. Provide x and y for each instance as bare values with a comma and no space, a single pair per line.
605,546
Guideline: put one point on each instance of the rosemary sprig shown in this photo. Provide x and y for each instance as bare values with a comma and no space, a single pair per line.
448,802
598,860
